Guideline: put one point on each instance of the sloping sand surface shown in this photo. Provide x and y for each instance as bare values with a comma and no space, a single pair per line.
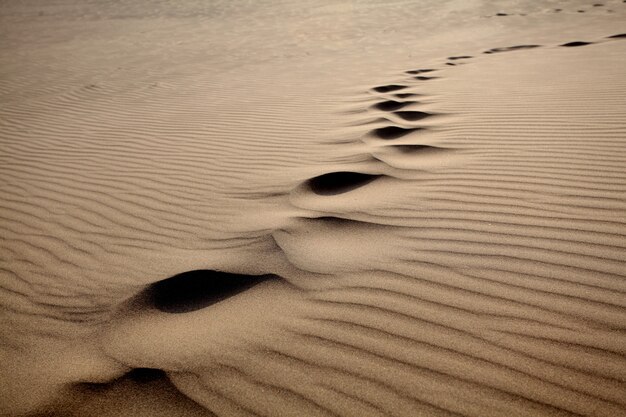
395,208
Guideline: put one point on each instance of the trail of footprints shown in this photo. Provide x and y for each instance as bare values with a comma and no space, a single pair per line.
395,101
189,291
592,7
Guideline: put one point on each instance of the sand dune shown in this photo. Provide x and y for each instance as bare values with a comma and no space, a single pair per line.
339,209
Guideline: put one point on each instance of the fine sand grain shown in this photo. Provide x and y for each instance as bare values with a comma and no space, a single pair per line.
344,208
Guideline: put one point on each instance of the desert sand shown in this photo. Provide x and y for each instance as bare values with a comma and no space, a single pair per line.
336,208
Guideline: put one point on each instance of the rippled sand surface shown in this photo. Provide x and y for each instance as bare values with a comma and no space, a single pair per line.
289,208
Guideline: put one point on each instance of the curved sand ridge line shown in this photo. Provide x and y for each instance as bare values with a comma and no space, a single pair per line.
469,261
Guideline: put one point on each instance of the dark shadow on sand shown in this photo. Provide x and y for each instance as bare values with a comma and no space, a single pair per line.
391,105
388,88
341,182
392,132
194,290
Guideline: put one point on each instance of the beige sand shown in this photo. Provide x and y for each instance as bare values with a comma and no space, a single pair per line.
478,268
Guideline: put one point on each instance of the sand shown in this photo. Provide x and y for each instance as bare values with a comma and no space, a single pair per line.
282,208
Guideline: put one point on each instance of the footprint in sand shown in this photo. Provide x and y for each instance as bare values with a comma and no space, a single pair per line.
391,105
335,183
393,132
389,88
405,95
576,43
412,116
420,71
413,149
510,48
461,58
195,290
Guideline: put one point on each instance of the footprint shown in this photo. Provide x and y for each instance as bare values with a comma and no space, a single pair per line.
420,71
341,182
145,375
510,48
406,95
454,58
391,105
194,290
411,149
393,132
388,88
576,43
412,116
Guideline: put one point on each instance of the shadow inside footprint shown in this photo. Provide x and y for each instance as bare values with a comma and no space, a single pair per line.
412,116
194,290
406,95
388,88
393,132
420,71
424,78
576,43
619,35
341,182
511,48
453,58
391,105
416,148
144,375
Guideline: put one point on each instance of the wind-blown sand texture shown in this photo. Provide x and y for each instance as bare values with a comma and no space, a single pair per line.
348,208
